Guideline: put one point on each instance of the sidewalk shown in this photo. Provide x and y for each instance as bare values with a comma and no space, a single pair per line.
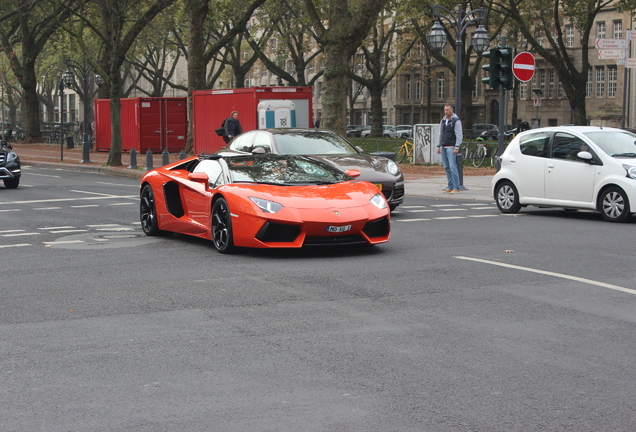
50,155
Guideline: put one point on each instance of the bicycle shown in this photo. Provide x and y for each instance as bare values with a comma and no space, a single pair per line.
476,154
403,151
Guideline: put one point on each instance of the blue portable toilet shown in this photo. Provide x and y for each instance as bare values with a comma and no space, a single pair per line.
276,114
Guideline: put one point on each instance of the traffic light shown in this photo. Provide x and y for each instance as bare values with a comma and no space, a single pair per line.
490,69
503,67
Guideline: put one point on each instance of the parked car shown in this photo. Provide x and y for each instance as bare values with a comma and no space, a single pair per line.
354,131
490,134
479,128
388,131
330,148
404,131
263,201
10,168
574,167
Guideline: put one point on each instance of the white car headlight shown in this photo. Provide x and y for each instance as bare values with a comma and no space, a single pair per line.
378,201
392,168
267,206
631,171
11,156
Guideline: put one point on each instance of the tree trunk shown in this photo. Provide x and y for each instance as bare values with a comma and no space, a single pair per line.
197,11
334,97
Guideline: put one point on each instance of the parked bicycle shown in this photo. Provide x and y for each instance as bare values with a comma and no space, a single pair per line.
475,152
403,151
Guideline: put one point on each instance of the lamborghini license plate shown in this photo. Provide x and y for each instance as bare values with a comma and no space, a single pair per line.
338,229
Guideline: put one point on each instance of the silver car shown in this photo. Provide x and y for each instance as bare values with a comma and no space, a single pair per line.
330,148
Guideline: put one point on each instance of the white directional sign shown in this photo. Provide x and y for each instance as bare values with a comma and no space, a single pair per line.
631,34
631,63
612,43
611,54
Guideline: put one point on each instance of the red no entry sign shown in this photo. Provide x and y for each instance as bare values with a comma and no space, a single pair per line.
523,66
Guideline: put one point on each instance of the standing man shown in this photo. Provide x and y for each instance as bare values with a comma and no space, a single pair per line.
232,127
450,138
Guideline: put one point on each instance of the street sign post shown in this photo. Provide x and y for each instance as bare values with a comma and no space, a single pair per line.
611,54
612,44
523,66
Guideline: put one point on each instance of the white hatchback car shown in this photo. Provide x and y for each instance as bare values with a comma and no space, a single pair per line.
573,167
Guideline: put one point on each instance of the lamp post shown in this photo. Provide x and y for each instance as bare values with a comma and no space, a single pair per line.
83,70
61,88
459,20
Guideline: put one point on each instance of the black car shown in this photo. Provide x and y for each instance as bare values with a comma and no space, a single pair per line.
354,131
10,169
328,147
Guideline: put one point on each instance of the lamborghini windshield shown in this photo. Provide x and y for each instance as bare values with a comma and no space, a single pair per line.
283,170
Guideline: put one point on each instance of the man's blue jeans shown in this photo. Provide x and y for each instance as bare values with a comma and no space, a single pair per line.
450,165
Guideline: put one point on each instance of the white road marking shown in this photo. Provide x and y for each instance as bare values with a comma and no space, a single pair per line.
56,200
103,225
85,206
548,273
10,231
421,211
116,184
68,231
479,216
412,220
47,208
14,245
64,242
121,204
19,234
10,210
453,209
57,227
450,217
43,175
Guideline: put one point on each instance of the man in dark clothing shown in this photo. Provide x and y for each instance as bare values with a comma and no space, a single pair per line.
232,127
450,139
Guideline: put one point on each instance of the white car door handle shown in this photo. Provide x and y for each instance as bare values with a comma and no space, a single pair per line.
550,166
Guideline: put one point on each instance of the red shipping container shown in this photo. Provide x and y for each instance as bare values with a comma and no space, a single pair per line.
211,107
146,124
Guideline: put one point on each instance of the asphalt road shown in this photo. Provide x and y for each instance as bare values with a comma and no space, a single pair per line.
467,320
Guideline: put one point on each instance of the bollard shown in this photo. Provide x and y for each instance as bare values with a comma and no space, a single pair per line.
459,159
148,160
165,157
133,159
182,155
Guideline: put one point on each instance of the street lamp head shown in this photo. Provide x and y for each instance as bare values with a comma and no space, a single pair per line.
99,80
68,78
437,37
480,40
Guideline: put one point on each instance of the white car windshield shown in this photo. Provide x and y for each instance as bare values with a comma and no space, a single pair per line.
617,144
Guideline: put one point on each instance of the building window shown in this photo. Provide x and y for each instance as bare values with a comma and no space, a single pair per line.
72,109
551,86
440,85
523,91
408,86
612,75
618,29
475,95
600,30
542,80
569,36
560,90
600,81
588,84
